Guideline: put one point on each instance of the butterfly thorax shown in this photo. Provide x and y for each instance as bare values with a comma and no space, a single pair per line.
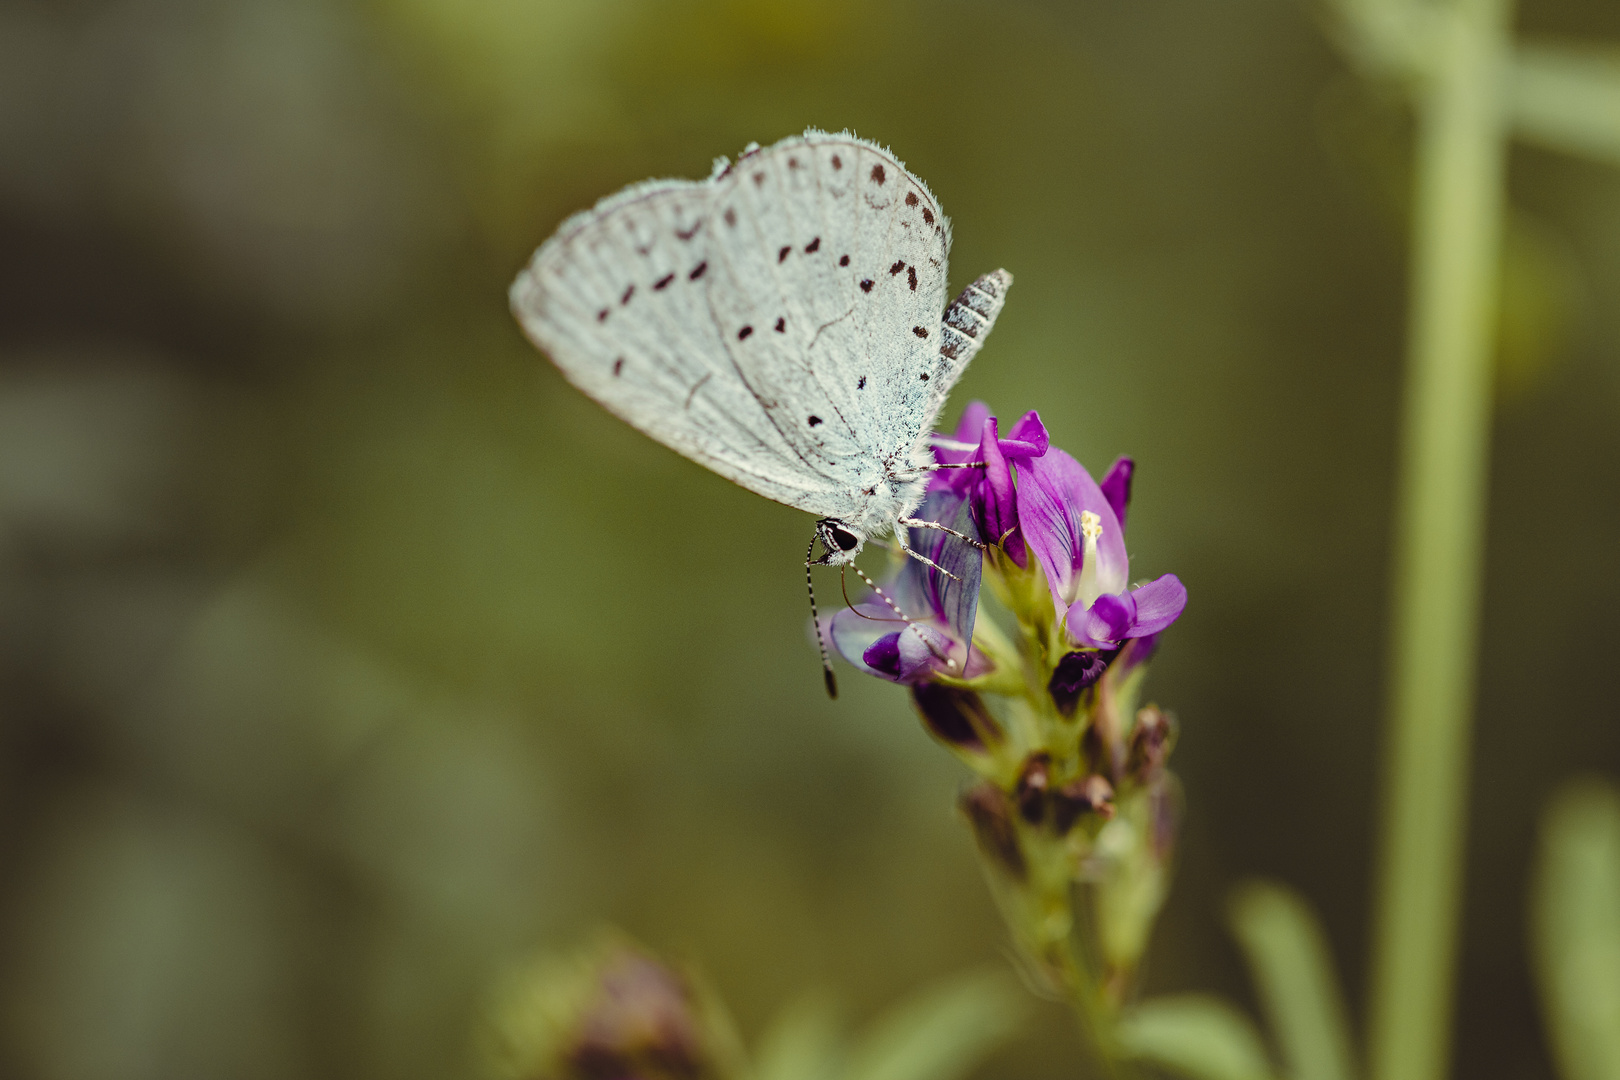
882,504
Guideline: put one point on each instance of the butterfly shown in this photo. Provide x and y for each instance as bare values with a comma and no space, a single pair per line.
782,322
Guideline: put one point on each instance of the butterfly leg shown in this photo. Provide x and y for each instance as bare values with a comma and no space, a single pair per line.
918,523
920,557
949,662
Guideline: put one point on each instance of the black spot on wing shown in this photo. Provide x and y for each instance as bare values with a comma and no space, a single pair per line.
814,420
781,325
928,215
628,293
911,198
781,256
742,335
919,331
618,367
923,376
813,246
843,260
663,282
697,271
911,277
838,162
899,265
866,285
860,385
601,316
878,175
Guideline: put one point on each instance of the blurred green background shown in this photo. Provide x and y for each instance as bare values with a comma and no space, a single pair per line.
347,655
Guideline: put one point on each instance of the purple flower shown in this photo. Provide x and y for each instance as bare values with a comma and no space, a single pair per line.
941,611
990,491
1075,528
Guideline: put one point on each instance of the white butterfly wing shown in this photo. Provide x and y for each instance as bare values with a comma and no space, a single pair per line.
779,323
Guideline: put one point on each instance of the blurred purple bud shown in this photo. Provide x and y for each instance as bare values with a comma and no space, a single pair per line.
956,717
1076,672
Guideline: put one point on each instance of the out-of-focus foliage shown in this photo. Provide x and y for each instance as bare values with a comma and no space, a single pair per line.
1289,959
1575,930
346,653
611,1009
1196,1035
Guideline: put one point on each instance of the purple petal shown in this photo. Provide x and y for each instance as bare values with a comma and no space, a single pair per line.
1053,491
922,649
960,448
883,655
853,631
923,592
1116,486
1108,621
1158,604
994,503
1027,437
972,422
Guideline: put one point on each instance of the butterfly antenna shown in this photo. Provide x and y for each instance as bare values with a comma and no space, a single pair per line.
843,583
815,617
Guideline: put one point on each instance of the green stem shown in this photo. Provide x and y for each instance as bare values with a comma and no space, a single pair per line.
1459,197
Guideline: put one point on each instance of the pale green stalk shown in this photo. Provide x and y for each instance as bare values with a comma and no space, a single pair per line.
1439,540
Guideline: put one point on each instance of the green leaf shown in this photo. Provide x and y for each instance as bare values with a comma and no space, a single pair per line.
1197,1036
804,1042
1293,971
1567,98
1575,930
942,1033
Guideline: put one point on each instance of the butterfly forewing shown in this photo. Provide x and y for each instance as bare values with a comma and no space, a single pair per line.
779,323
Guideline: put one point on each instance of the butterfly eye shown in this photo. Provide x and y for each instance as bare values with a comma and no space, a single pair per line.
845,539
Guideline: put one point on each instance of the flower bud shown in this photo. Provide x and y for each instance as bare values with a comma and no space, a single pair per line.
1074,674
1088,794
958,718
1032,786
1150,743
610,1012
990,813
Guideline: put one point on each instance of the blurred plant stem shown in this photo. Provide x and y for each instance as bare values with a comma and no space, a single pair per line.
1439,540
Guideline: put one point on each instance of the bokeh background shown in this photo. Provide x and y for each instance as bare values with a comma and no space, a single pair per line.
347,655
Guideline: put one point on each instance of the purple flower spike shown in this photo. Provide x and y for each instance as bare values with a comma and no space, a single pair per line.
1140,613
1071,527
936,642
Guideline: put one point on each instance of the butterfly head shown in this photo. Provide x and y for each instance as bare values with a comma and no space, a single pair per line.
840,542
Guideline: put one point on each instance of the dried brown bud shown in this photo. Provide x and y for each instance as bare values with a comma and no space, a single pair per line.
1033,783
989,811
1150,742
607,1012
1087,795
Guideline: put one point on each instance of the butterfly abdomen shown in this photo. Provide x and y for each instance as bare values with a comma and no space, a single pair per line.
969,317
